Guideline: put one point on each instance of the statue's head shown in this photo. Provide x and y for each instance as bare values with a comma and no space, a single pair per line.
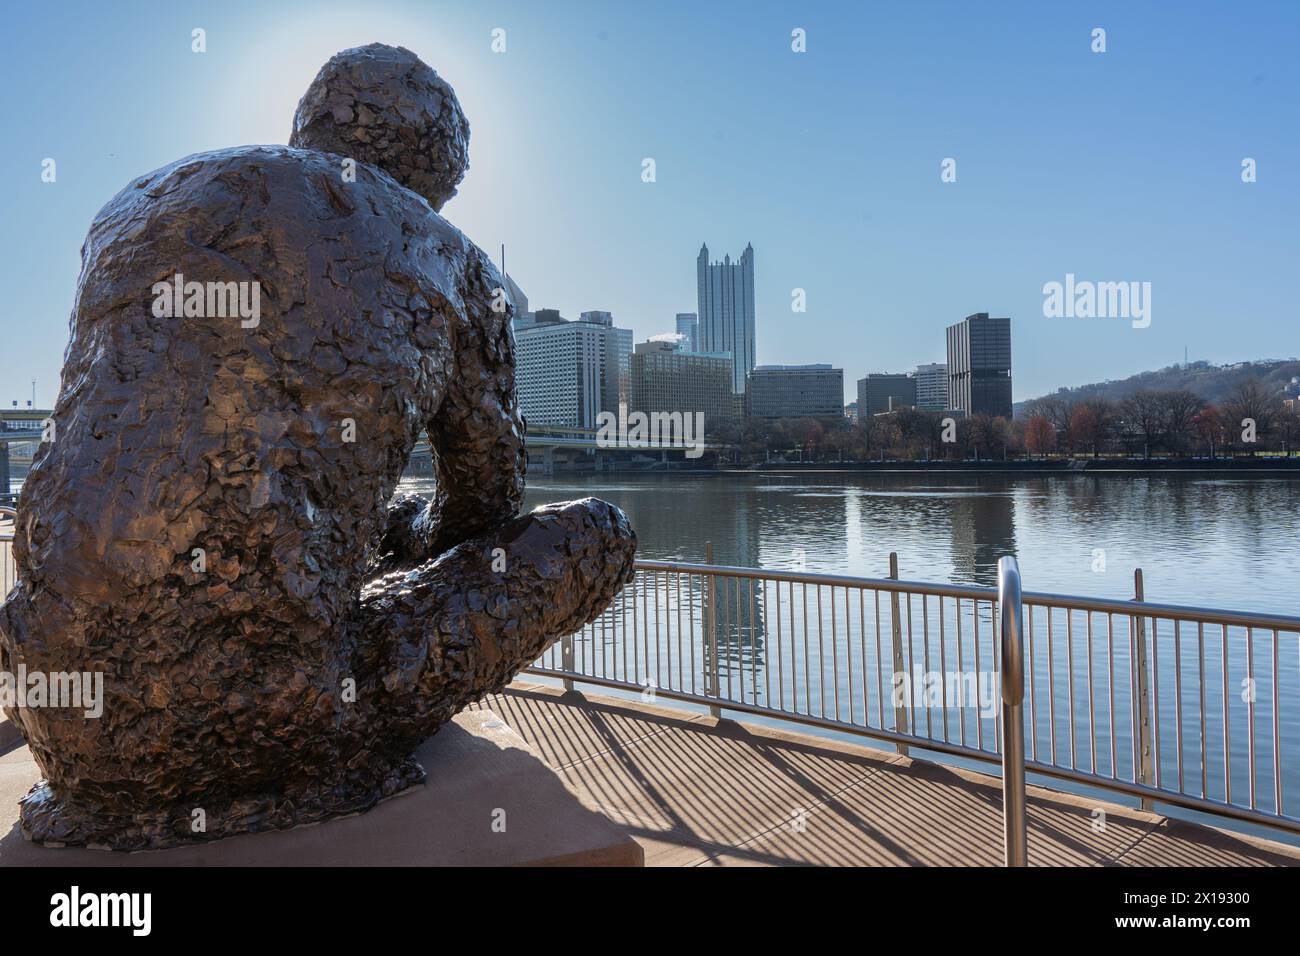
382,105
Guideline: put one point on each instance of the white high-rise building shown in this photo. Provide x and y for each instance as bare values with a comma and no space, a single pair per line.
725,291
932,387
567,373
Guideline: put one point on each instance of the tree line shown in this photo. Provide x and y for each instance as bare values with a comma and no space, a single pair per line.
1147,423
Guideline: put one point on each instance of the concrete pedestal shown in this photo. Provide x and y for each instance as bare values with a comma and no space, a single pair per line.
488,801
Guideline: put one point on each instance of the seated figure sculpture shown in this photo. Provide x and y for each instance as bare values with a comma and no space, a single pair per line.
213,524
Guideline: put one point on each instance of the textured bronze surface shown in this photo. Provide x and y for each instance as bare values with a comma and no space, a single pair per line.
382,105
331,628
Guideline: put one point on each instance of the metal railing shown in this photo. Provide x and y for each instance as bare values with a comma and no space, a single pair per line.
1188,707
1192,708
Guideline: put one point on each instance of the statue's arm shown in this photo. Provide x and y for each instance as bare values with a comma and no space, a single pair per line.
477,435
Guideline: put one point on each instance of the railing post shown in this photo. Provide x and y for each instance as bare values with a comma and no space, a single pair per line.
1013,723
1141,697
712,683
566,660
900,701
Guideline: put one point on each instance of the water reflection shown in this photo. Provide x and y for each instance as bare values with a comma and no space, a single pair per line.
1213,541
982,528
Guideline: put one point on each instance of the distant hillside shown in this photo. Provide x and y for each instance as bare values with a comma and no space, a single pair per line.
1214,383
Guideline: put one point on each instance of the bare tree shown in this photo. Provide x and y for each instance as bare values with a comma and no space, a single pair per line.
980,435
1179,411
1208,425
1251,414
1143,416
1056,410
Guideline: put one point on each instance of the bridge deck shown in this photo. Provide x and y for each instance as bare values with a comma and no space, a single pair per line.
695,791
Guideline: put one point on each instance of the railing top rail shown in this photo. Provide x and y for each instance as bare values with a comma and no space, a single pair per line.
838,580
1176,612
1179,612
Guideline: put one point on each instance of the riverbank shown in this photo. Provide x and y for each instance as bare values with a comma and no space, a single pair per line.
1064,467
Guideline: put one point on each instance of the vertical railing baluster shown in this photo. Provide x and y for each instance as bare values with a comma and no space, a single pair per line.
862,631
780,660
900,706
1069,655
1227,725
794,660
880,667
1277,733
1051,688
1092,705
1110,689
731,665
677,580
848,653
911,678
711,683
961,666
690,616
1250,709
1155,698
925,644
807,670
1141,699
1200,684
943,669
1178,699
821,658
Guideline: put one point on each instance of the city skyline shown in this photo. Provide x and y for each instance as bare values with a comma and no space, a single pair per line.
1070,174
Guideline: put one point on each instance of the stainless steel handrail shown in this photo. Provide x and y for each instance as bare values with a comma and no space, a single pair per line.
1013,724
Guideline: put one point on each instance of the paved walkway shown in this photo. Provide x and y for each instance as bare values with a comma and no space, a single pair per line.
694,791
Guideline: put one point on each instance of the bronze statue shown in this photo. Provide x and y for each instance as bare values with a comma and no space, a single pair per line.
259,336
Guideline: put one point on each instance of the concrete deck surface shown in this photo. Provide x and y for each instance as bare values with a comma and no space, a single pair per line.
488,801
695,791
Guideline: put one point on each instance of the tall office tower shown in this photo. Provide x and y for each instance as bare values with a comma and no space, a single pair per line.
979,365
885,392
725,292
666,379
932,387
688,330
796,391
567,373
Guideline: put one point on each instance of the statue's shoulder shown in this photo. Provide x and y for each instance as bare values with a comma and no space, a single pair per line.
225,166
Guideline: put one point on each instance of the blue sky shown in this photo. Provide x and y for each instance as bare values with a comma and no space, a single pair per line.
1123,165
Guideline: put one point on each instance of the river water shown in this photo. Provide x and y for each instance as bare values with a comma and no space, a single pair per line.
1211,541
